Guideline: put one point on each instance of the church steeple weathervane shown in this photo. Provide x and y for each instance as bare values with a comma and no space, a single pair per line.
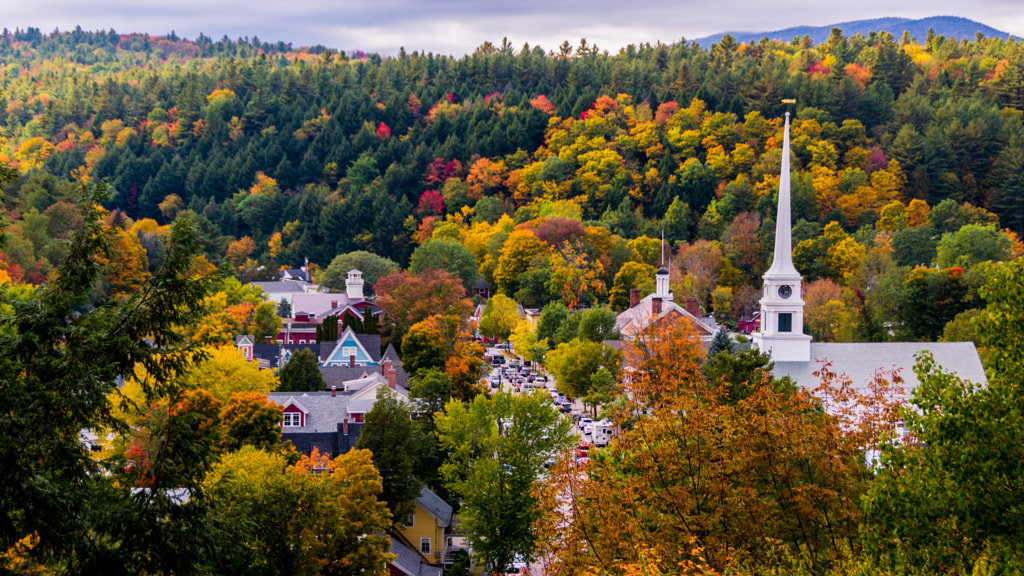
782,306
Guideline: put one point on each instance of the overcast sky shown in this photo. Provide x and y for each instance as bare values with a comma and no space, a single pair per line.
457,27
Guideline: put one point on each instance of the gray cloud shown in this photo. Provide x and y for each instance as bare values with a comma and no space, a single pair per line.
459,26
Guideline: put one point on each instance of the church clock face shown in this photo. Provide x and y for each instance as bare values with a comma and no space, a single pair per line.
785,291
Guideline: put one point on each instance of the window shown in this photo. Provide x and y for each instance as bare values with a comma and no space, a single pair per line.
347,351
425,545
410,519
292,419
786,322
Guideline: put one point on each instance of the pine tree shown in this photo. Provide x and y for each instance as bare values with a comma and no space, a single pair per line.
284,309
301,373
721,343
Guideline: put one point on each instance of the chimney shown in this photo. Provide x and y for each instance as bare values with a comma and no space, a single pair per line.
634,297
385,366
692,308
352,361
334,304
334,391
267,340
656,306
391,377
344,426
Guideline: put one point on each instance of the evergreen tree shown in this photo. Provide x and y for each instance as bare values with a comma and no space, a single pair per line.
284,308
301,373
389,433
720,343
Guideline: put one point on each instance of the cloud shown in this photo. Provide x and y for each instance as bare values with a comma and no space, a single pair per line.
459,26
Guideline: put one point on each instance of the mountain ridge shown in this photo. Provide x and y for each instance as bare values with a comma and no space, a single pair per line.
950,26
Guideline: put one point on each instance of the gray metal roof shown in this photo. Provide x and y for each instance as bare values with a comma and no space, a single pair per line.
433,504
411,562
280,286
861,360
324,411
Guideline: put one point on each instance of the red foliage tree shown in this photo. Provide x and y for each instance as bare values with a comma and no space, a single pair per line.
431,203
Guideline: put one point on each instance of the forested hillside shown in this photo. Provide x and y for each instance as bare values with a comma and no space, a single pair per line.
904,154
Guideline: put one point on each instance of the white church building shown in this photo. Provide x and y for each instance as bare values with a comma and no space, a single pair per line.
795,355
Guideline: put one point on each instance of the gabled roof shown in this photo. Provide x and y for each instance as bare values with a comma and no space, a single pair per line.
296,274
434,505
280,287
860,361
323,411
636,319
410,562
392,355
368,348
244,340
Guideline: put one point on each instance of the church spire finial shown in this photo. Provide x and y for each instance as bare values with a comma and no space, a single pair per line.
782,263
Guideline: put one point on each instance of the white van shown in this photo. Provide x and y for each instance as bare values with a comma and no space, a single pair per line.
602,432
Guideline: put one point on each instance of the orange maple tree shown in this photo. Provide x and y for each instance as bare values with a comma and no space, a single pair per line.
695,477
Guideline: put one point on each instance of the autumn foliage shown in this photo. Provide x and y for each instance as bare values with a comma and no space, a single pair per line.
701,478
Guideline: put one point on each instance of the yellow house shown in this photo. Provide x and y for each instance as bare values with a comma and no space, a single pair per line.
426,529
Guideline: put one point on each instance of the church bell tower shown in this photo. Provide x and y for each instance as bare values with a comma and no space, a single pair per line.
782,305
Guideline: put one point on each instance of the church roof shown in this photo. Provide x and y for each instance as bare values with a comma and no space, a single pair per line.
860,361
636,319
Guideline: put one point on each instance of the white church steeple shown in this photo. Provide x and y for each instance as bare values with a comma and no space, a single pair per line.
782,306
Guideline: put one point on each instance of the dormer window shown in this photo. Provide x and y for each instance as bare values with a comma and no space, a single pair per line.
292,419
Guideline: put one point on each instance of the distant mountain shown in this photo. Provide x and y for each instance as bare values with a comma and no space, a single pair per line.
949,26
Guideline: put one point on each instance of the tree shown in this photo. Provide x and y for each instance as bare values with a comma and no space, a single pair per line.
284,308
446,254
938,492
423,348
501,314
390,436
301,373
406,298
767,481
371,265
265,322
632,275
551,318
223,371
320,516
574,362
63,361
251,419
720,343
597,325
971,244
516,255
497,448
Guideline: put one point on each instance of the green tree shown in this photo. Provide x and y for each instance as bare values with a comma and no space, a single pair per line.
597,325
574,362
446,254
301,373
371,265
390,435
265,322
971,244
58,362
720,343
497,448
552,317
284,308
